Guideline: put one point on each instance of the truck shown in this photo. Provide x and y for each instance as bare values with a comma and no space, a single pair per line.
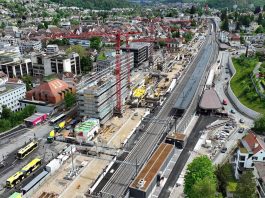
51,136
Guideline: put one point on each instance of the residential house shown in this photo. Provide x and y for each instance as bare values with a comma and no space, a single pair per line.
251,149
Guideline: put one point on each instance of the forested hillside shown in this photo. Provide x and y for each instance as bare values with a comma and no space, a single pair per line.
95,4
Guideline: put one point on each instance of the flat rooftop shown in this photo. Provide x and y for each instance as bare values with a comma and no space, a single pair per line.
177,136
34,117
87,125
136,45
153,166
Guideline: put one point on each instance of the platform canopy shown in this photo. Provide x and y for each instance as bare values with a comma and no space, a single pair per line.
210,100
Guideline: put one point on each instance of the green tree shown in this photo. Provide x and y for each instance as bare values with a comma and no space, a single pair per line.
200,168
77,49
259,125
41,26
86,64
193,9
6,112
95,42
225,25
246,186
224,174
69,99
260,19
193,23
4,125
259,30
3,25
187,36
204,188
28,81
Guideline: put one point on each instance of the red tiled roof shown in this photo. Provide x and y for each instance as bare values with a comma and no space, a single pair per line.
51,91
253,143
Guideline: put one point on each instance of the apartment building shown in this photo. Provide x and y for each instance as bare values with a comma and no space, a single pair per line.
251,149
98,99
10,93
47,64
141,51
51,49
9,39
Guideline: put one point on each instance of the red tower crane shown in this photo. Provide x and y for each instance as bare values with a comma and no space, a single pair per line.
118,37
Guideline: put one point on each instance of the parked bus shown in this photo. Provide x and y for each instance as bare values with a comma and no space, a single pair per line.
14,179
25,171
57,119
23,152
30,167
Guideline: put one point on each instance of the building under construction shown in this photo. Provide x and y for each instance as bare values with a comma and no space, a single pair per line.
99,97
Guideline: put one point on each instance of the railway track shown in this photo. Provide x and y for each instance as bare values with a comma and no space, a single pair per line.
120,180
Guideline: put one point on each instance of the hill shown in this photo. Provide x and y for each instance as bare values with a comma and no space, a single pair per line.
223,3
95,4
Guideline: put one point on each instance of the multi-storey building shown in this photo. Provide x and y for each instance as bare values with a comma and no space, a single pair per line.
51,49
251,149
9,39
28,46
44,65
98,99
141,51
10,93
17,67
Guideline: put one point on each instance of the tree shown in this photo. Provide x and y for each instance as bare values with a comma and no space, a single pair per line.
224,174
193,9
225,25
259,125
223,14
203,188
77,49
242,40
187,36
28,81
200,168
260,18
259,30
6,112
193,23
246,186
4,125
69,99
86,64
257,10
95,42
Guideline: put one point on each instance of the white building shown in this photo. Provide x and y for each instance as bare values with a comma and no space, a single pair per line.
11,93
51,49
9,39
45,64
250,150
28,46
83,42
259,172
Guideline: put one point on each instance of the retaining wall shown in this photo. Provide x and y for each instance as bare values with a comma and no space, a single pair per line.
242,108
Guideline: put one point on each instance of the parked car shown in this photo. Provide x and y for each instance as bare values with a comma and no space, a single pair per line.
232,111
223,150
224,102
241,120
241,130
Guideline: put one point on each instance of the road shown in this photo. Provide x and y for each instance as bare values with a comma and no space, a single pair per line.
120,180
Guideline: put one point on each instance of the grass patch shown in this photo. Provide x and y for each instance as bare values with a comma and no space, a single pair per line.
242,86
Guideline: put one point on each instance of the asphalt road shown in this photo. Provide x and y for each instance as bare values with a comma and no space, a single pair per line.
122,177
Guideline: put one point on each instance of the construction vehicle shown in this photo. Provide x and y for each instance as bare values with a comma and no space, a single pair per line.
51,136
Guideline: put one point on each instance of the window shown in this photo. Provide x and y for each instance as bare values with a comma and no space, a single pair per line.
263,158
254,158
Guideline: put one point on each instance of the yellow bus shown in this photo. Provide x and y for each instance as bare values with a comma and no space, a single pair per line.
30,167
23,152
14,179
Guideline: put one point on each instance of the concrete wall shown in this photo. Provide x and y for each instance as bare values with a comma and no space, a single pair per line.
242,108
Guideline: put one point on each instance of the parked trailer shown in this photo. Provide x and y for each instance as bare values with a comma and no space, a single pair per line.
35,119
